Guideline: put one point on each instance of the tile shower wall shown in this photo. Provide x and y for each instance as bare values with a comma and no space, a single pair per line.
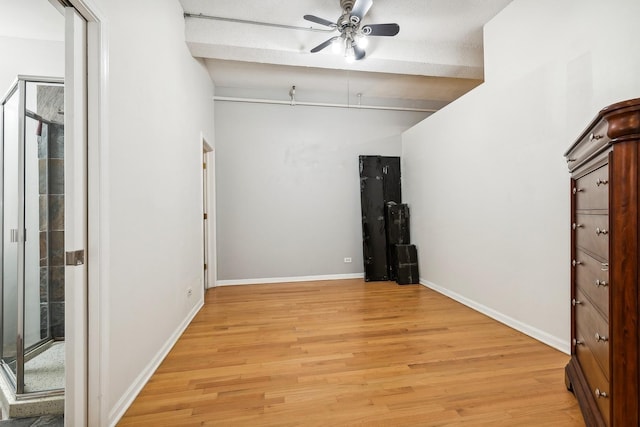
51,203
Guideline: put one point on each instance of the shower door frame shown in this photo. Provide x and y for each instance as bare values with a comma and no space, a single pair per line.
17,380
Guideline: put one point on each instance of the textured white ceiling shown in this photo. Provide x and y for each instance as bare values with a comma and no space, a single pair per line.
436,57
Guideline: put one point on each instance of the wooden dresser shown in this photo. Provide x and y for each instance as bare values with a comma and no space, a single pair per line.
605,255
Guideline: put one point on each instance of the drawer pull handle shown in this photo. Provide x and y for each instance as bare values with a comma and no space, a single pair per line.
574,226
601,231
601,338
605,266
571,160
577,190
574,262
600,182
601,283
577,342
594,137
600,394
575,302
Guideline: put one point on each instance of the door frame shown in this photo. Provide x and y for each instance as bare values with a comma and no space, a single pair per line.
75,216
92,409
209,228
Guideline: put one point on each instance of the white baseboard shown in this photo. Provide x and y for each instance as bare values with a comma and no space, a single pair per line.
289,279
136,387
550,340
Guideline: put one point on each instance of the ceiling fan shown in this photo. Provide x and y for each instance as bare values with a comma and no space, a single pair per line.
352,39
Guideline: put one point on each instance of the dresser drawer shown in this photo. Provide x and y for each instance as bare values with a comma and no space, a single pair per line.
592,331
596,380
592,279
592,234
592,190
592,142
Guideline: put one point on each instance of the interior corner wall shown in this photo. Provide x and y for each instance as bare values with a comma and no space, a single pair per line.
486,178
160,99
288,189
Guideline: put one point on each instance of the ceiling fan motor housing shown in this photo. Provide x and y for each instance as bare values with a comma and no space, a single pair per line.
347,5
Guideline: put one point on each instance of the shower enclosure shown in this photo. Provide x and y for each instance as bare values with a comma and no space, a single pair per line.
32,215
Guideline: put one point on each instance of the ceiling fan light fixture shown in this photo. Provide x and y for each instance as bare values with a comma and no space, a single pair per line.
337,45
349,54
362,41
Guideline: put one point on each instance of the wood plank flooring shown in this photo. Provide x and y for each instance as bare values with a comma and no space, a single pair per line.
351,352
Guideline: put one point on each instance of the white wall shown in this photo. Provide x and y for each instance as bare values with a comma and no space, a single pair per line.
160,100
288,189
29,57
485,177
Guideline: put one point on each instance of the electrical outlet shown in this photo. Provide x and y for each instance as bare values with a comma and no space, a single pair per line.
189,292
347,260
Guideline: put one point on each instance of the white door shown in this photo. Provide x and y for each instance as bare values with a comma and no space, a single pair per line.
209,204
205,208
75,221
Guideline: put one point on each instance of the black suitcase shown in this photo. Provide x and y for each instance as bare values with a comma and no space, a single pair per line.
407,267
379,183
397,225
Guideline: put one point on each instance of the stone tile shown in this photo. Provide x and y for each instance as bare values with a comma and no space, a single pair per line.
49,421
44,284
49,101
18,422
56,284
56,213
57,332
57,319
43,174
44,248
43,207
43,142
56,141
43,421
56,248
44,321
56,176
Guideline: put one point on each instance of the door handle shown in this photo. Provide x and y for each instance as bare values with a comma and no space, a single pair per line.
74,258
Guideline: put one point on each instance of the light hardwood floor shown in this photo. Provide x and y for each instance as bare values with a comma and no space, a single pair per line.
352,353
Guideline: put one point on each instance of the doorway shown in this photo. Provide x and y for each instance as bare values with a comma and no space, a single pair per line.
47,237
208,207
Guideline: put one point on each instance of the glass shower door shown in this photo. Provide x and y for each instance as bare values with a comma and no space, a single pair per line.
10,237
32,216
44,243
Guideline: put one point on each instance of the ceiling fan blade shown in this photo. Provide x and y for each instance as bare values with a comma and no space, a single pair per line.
381,29
320,21
360,8
323,45
358,52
